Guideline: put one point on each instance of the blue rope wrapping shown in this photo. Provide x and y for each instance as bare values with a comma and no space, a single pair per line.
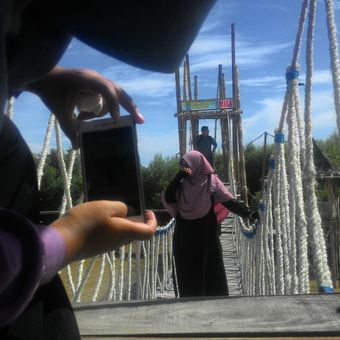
326,289
279,138
164,230
247,233
291,75
263,207
272,163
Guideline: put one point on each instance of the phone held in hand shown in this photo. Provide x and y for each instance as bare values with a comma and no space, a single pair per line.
110,163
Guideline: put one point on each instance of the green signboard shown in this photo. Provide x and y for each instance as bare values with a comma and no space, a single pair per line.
207,104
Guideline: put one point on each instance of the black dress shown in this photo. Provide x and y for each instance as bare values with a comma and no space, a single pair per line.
198,257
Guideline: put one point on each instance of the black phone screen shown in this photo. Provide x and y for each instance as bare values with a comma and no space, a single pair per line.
111,170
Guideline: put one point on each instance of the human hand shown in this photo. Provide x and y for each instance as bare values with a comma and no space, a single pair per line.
254,217
187,171
96,227
184,172
61,89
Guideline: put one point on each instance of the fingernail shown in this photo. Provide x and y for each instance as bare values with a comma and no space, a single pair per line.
139,118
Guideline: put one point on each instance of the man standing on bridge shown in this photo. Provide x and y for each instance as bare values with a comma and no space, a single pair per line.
203,144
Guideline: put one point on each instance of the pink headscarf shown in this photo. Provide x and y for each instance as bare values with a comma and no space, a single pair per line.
194,195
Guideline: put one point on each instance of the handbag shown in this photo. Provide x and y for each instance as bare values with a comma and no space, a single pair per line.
221,212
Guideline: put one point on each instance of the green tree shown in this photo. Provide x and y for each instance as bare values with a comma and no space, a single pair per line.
52,185
220,167
254,156
330,146
156,177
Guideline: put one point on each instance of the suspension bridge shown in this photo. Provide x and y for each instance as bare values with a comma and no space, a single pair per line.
129,292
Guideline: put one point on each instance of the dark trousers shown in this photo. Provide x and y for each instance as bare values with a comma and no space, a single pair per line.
49,316
198,257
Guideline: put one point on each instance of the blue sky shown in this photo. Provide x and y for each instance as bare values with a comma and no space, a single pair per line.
265,35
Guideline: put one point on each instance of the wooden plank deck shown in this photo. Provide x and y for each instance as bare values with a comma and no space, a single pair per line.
230,259
306,316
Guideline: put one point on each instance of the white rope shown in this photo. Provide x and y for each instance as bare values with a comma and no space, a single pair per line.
139,294
269,236
112,261
80,288
166,279
129,271
293,250
147,270
163,263
278,178
62,167
144,290
153,269
259,258
302,20
295,177
121,281
80,272
312,212
157,237
100,278
67,191
46,145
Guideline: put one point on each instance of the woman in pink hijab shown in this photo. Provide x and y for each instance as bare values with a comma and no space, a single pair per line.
197,249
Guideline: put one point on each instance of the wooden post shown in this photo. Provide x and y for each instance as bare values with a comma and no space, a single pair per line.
195,122
224,123
180,120
188,76
235,107
195,87
243,177
185,80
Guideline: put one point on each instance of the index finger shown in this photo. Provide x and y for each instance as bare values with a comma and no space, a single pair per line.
115,96
129,105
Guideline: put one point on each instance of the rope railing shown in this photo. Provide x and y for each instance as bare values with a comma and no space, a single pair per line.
278,261
114,276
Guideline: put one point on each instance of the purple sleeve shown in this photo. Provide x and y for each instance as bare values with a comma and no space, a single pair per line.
54,253
219,191
27,259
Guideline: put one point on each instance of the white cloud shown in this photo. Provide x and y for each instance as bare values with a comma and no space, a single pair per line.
267,116
142,83
323,112
155,141
209,45
149,86
322,77
278,82
209,51
261,81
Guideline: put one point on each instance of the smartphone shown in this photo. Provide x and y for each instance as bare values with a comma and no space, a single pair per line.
110,163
